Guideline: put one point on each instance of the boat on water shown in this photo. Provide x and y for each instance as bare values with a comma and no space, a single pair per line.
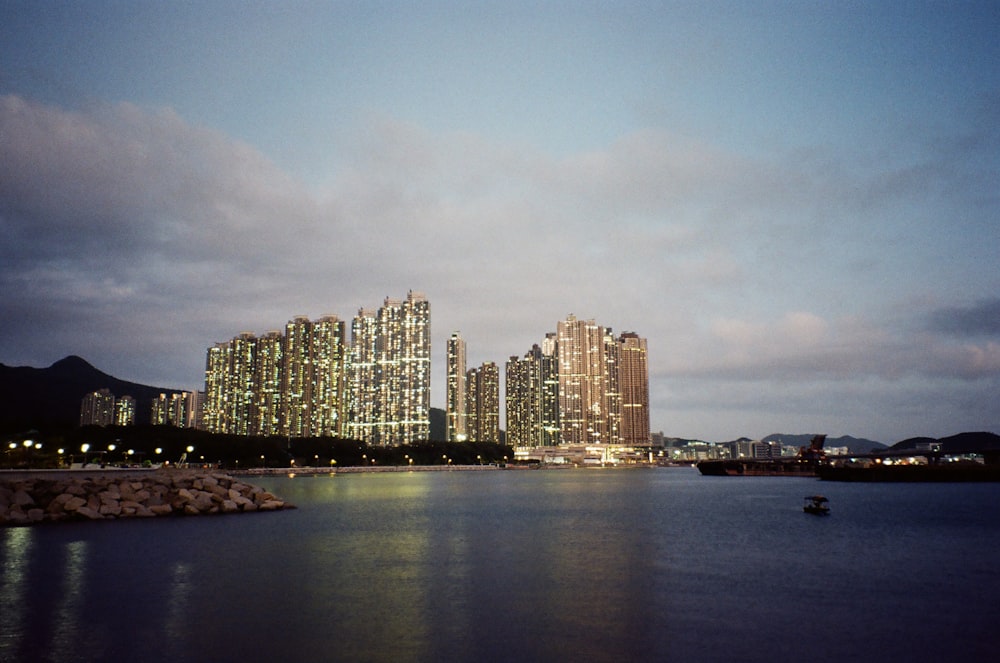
816,505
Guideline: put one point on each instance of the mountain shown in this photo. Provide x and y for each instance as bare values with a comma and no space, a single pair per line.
854,445
50,397
954,444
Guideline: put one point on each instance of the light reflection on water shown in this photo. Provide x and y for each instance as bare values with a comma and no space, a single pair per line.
67,636
13,585
651,565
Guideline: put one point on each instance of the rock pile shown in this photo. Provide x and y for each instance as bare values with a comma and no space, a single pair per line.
27,501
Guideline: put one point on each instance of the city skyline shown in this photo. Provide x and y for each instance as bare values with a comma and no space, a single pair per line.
795,203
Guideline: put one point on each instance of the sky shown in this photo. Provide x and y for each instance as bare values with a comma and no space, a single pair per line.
796,203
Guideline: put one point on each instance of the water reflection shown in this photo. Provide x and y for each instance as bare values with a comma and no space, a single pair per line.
179,594
17,542
66,635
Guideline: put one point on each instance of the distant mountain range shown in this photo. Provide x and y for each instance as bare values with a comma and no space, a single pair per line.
855,445
50,397
955,444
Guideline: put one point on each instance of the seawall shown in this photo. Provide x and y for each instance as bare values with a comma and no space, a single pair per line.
28,499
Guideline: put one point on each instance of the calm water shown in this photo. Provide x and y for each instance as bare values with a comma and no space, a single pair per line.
574,565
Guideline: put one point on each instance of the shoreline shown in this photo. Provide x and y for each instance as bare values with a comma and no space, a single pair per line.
49,496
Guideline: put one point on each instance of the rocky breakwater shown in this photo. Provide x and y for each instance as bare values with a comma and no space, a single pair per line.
105,496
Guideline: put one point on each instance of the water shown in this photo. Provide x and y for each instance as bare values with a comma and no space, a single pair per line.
574,565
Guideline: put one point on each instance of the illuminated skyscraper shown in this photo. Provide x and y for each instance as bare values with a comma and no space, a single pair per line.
328,353
216,368
97,408
159,411
548,399
521,401
364,376
268,402
240,406
194,409
634,385
177,410
390,372
483,403
533,397
296,382
583,415
311,382
455,410
612,390
125,411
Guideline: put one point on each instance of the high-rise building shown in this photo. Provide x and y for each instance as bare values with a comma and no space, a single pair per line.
125,411
296,382
634,387
240,406
268,405
532,397
455,409
390,372
327,352
581,386
177,410
216,368
413,409
483,403
583,415
194,410
612,389
291,384
548,400
159,411
520,401
97,408
363,406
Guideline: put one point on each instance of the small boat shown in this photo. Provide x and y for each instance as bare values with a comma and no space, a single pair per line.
816,505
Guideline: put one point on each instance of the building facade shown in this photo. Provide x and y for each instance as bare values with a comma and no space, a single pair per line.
312,380
455,407
390,372
483,403
634,389
98,408
583,409
125,411
580,386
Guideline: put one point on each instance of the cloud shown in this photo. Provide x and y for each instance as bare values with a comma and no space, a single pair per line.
129,229
976,320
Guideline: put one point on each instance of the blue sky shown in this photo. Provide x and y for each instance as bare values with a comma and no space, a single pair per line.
796,203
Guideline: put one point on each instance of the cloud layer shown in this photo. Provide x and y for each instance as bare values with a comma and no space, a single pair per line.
137,239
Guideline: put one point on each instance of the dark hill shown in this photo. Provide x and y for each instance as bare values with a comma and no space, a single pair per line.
50,397
855,445
955,444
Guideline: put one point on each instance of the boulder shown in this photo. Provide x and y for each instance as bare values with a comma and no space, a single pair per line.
21,497
87,512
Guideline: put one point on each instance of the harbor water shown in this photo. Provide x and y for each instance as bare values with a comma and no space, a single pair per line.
562,565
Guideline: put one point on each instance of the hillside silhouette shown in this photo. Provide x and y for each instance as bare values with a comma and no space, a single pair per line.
50,397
